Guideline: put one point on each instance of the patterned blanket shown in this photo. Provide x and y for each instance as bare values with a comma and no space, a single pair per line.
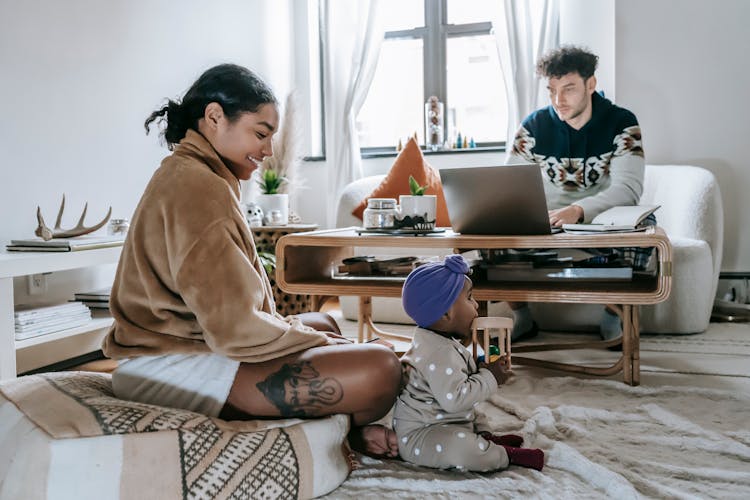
67,433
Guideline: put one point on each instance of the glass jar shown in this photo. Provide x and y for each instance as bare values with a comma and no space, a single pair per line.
380,213
118,227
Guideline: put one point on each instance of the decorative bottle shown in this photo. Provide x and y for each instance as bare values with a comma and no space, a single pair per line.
433,123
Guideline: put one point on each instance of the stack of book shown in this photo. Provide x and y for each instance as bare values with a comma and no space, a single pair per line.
35,321
64,244
527,272
97,299
379,266
387,268
557,265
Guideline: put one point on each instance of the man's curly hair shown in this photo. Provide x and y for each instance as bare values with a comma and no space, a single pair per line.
567,59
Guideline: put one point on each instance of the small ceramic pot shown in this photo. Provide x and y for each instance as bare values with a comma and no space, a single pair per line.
417,212
275,209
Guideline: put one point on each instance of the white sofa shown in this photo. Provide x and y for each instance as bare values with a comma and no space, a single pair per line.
691,213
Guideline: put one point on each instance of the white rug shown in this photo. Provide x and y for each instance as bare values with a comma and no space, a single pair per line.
604,439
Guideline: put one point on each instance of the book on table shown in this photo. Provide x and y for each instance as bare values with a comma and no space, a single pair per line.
530,273
564,265
100,294
94,299
64,244
616,219
368,266
95,304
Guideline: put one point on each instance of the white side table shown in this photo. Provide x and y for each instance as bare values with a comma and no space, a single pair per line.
14,264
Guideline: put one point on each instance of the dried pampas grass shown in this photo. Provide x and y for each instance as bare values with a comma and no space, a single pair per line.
286,149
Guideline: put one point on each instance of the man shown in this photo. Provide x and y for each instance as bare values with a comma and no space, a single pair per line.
589,151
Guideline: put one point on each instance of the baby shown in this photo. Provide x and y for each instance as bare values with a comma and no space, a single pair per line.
434,415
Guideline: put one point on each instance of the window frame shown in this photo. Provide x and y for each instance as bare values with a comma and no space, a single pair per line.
434,35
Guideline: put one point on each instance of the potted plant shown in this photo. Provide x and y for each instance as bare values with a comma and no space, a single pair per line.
275,204
417,210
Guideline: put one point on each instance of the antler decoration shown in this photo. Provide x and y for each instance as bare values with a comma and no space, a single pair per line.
47,234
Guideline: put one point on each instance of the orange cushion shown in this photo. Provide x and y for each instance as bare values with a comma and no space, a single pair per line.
410,161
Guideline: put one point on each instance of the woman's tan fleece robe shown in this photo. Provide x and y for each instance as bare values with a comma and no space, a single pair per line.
189,278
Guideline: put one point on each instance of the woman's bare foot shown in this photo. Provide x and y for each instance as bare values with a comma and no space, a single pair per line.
375,441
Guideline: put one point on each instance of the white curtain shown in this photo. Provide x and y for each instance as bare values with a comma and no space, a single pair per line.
351,34
524,31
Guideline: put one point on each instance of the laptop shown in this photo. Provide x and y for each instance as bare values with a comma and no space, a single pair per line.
502,200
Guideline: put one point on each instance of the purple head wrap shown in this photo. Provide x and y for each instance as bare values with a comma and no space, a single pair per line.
431,289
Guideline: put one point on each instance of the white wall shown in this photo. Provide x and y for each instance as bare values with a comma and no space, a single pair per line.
681,67
591,24
78,78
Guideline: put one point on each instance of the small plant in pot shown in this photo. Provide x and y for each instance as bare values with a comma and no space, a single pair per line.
274,203
417,210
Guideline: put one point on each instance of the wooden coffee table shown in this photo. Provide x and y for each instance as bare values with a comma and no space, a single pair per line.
306,261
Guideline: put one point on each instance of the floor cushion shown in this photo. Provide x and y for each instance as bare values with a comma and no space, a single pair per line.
65,435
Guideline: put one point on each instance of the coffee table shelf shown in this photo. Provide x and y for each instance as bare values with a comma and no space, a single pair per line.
305,263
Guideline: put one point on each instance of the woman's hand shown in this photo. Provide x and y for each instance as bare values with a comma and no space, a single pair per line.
500,368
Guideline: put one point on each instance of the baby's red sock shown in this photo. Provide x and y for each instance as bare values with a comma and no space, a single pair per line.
504,439
525,457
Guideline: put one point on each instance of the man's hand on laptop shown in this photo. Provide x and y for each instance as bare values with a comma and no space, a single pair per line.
571,214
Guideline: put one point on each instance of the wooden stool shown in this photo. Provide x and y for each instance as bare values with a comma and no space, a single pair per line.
504,326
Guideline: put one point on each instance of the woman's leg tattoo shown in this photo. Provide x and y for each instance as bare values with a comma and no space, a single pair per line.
297,390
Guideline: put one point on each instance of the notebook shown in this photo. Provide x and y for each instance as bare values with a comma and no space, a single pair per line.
501,200
616,219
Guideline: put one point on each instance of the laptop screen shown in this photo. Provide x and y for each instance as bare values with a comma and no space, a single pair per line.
501,200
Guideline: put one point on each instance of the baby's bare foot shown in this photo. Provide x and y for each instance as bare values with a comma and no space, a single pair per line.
375,441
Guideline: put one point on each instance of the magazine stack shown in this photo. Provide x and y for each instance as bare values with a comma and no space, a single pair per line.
97,299
35,321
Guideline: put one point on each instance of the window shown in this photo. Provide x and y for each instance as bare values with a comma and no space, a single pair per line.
442,48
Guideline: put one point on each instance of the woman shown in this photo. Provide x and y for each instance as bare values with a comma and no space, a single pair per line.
195,325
